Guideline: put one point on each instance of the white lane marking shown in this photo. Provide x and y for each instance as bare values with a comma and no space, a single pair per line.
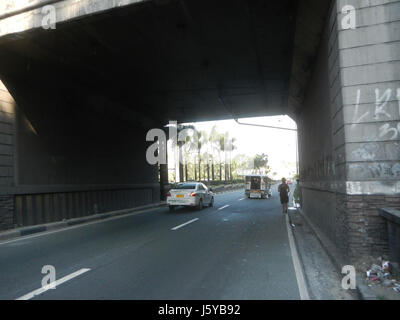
224,207
184,224
242,199
301,283
39,291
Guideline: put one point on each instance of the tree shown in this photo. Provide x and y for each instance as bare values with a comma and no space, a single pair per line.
231,148
261,162
241,163
201,148
180,144
213,142
221,148
200,140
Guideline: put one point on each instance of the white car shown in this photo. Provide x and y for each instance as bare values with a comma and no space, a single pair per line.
190,194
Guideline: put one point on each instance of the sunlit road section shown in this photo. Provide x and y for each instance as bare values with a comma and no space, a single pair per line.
238,249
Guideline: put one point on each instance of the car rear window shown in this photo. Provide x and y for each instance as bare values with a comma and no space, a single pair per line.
185,187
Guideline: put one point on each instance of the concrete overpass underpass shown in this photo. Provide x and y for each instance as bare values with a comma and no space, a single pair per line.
78,100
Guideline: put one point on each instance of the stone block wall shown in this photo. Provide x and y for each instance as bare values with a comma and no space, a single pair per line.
367,230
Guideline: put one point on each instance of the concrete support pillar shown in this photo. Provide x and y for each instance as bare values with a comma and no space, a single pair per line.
349,127
7,153
366,119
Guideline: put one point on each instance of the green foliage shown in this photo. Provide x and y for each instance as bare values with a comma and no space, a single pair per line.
207,157
261,163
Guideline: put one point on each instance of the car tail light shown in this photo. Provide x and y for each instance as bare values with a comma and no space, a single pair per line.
193,194
168,194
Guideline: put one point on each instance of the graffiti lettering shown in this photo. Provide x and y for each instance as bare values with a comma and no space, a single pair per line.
386,129
378,170
381,103
398,99
355,120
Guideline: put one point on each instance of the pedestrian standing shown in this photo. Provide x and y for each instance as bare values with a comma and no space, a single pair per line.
284,190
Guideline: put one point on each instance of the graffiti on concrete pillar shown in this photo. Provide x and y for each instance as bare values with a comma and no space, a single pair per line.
366,152
381,102
322,168
384,170
388,130
356,111
398,98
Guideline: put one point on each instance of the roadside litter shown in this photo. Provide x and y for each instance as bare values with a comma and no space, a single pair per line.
382,274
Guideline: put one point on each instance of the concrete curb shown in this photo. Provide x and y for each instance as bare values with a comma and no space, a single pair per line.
302,280
363,292
24,231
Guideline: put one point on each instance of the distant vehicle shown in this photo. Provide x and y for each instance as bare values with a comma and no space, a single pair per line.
257,186
289,182
190,194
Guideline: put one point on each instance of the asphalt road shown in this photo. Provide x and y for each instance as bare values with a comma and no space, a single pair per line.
241,251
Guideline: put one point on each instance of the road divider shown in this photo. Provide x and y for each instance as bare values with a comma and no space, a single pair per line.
184,224
53,285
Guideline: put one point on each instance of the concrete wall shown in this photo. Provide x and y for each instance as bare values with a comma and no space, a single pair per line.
7,152
370,72
370,82
350,128
67,158
319,171
72,146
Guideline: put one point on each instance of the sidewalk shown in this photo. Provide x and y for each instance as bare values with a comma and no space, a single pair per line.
322,277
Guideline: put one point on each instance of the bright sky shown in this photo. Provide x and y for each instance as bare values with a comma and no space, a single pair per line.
279,145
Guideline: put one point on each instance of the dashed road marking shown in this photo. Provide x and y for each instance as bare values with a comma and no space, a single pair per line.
224,207
39,291
184,224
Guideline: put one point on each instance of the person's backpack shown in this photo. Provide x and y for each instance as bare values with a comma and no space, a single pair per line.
283,190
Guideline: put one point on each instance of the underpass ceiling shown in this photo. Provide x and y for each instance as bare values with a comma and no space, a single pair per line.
168,60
